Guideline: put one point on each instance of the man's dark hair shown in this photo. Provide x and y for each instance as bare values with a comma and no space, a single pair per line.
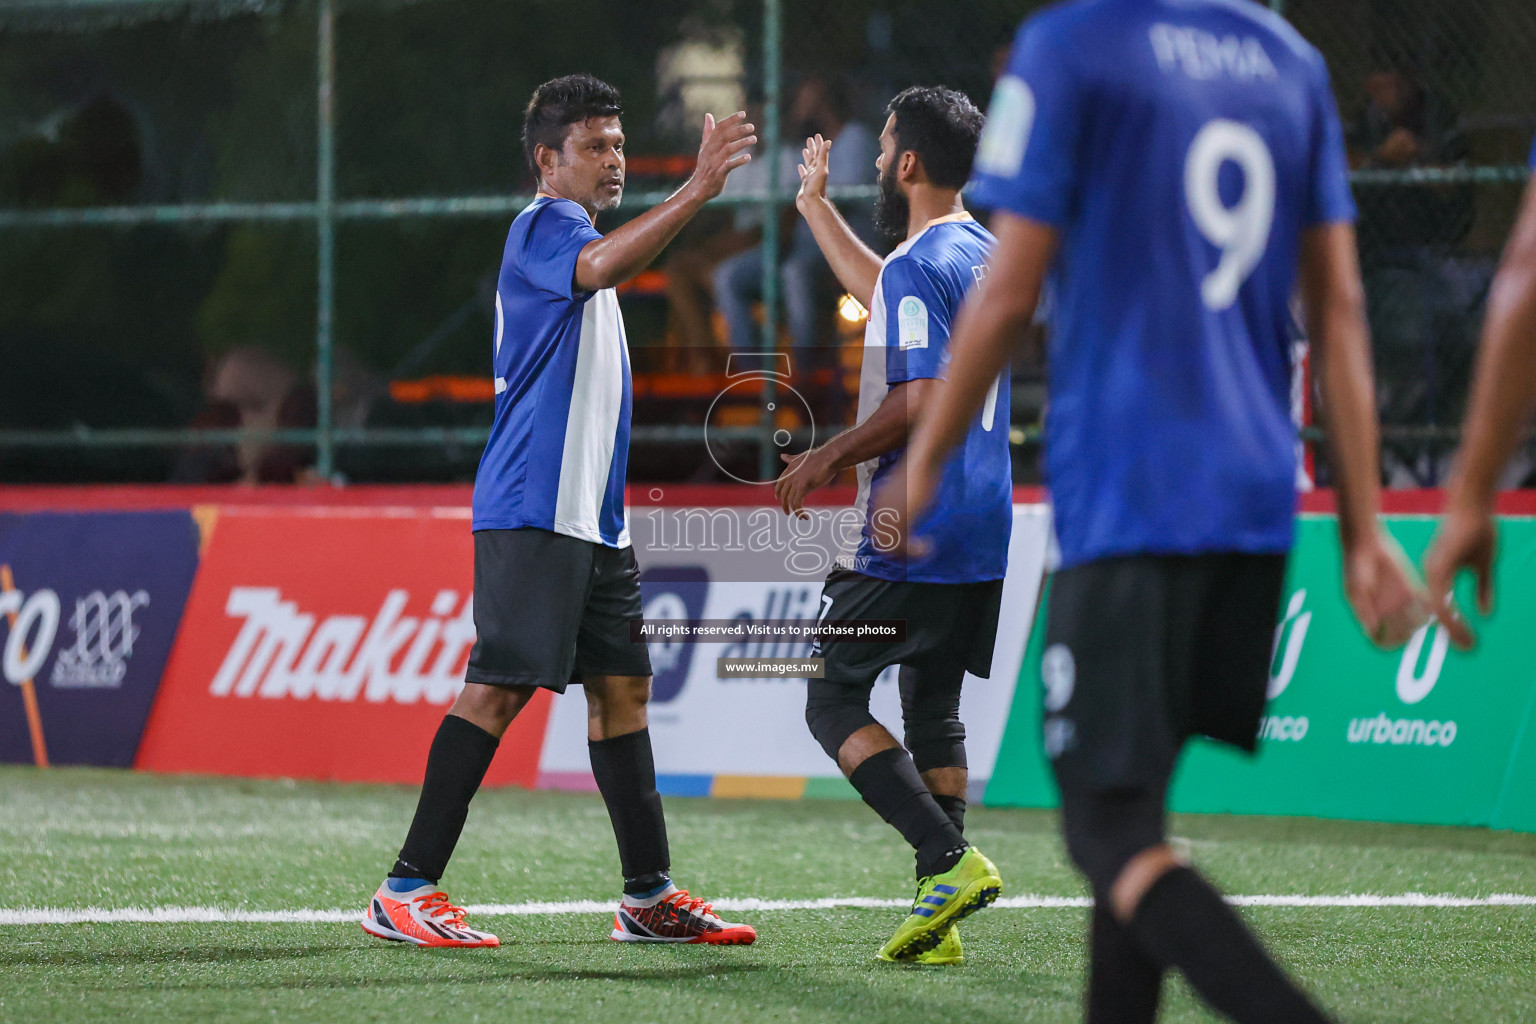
560,103
942,126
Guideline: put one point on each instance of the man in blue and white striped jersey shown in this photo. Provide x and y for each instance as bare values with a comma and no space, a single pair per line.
556,584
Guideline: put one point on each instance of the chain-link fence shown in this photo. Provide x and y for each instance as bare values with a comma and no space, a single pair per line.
1439,103
258,239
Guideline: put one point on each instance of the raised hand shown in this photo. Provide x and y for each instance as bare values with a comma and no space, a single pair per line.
813,171
723,149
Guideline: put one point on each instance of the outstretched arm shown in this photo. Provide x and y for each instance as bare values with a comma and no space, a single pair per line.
630,248
885,431
1504,391
1376,577
854,263
1334,303
1503,397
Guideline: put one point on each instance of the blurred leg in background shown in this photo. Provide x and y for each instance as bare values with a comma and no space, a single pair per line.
739,284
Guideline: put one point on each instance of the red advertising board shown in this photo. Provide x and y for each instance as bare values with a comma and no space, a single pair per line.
325,644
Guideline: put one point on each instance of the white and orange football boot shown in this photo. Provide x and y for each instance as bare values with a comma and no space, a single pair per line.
421,916
674,916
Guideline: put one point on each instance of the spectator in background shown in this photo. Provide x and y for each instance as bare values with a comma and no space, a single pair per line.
90,155
251,389
209,463
1419,304
264,394
820,106
1391,128
691,264
1401,127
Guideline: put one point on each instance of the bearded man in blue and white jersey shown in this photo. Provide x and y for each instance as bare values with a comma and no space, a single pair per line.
556,584
949,597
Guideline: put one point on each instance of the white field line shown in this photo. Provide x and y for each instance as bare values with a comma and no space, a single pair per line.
217,915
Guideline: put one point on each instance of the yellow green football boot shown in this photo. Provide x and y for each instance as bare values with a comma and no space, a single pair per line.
942,900
946,952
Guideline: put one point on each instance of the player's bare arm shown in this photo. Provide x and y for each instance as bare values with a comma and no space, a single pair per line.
1381,590
983,337
1503,397
855,264
886,430
592,167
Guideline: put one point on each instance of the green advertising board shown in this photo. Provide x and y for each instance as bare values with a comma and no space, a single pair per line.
1426,734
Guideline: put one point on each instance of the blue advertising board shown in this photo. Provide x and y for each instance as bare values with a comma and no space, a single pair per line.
89,605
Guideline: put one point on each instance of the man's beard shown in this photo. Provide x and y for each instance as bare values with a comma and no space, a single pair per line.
892,210
604,203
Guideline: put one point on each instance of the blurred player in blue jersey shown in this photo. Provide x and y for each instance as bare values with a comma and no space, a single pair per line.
948,599
1503,397
1175,163
556,584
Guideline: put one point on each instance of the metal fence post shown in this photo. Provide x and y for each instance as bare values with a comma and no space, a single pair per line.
325,230
769,150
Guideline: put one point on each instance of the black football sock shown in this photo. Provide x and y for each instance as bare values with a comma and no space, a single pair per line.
456,765
1184,923
889,783
626,776
1124,984
954,807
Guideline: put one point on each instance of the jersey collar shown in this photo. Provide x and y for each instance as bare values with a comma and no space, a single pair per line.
948,218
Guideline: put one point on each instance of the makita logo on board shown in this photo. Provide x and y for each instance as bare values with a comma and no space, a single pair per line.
284,651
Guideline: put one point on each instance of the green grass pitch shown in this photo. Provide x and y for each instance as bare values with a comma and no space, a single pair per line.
77,838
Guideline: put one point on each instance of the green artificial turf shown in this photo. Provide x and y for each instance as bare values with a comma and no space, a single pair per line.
76,838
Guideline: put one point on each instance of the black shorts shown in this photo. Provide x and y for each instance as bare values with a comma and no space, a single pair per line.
945,623
550,608
1144,652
